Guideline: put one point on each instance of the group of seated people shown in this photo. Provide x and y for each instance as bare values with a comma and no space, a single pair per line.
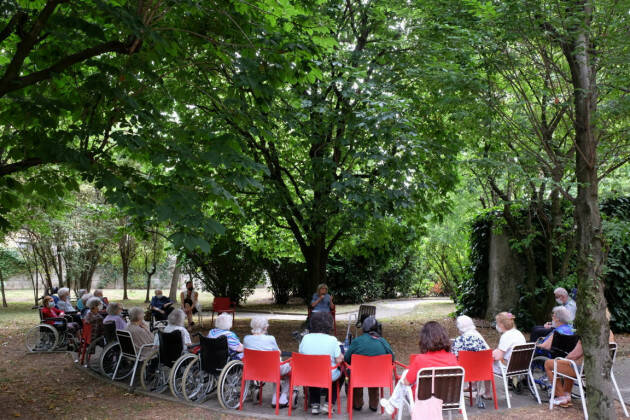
435,347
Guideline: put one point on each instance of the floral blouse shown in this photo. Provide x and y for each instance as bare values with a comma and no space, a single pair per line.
469,341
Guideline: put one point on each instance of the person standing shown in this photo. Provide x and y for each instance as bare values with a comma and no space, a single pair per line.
189,299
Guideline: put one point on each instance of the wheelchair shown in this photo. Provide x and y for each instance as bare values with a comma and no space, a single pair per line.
213,370
561,345
52,334
111,353
165,366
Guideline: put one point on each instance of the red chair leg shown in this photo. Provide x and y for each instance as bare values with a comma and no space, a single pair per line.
350,399
277,397
470,392
330,404
240,404
338,398
291,394
494,394
305,397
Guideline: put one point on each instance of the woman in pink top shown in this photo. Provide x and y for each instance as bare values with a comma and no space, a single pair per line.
435,351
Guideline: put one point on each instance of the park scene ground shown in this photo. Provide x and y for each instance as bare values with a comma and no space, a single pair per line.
433,159
65,384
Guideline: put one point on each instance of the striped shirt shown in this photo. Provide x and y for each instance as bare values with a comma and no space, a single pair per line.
234,344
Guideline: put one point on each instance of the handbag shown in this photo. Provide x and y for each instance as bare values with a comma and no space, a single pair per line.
429,409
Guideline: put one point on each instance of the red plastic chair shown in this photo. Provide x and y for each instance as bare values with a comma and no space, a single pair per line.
332,313
312,370
370,372
86,338
478,367
220,305
262,366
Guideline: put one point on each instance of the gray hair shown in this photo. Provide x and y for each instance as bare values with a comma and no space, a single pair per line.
562,314
561,291
81,292
223,322
98,292
176,317
259,324
158,290
64,291
136,314
464,324
93,302
86,297
114,308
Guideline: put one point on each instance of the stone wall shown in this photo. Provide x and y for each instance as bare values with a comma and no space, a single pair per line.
505,273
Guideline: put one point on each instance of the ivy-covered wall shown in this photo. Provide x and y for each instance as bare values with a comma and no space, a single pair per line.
473,294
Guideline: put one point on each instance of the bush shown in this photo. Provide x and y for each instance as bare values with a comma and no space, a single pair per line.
231,269
284,275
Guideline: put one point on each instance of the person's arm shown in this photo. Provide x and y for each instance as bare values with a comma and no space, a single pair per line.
195,298
339,358
498,355
331,304
577,351
546,344
181,299
316,300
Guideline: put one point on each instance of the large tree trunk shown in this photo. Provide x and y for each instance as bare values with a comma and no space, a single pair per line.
591,319
125,275
172,294
316,260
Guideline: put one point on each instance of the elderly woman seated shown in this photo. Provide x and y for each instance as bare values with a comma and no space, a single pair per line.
176,323
84,298
139,330
370,343
320,342
113,316
93,317
80,302
510,337
64,300
50,311
222,327
560,322
435,348
470,340
259,340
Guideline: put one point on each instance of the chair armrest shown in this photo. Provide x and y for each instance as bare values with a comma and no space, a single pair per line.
578,372
402,365
286,361
62,319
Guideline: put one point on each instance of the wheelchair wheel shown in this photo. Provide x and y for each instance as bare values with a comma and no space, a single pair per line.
229,385
152,375
109,359
541,381
197,384
43,337
177,374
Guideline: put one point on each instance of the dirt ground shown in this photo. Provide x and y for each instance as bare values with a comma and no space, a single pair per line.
46,386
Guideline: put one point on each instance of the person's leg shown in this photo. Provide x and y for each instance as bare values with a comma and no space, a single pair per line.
397,398
357,398
314,395
373,394
188,312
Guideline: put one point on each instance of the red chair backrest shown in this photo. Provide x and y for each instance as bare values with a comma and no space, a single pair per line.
371,371
477,364
261,365
311,370
87,332
221,303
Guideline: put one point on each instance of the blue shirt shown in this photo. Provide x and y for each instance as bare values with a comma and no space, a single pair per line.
318,343
323,305
159,302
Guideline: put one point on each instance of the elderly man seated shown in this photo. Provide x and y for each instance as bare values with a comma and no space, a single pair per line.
370,343
161,306
563,299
